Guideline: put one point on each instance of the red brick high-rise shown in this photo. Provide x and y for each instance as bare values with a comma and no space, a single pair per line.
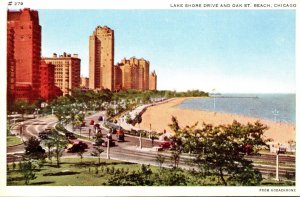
48,90
24,34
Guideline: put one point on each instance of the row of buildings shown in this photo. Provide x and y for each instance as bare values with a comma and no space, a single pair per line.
31,76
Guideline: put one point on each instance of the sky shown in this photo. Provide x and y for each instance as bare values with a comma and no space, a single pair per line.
232,51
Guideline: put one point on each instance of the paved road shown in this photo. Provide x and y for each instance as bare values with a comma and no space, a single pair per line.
126,151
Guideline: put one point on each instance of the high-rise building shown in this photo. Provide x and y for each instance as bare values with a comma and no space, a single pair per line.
11,66
84,82
117,77
145,65
134,73
48,90
67,71
153,81
101,59
24,35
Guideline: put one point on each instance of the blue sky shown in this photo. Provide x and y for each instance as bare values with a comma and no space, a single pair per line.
233,51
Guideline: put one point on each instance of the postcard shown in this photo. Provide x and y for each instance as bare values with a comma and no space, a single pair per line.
159,98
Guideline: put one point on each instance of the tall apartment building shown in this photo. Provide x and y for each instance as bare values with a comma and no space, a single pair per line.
153,81
11,66
24,53
48,90
134,74
84,82
101,59
67,71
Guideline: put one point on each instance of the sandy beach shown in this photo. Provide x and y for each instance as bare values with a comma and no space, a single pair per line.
160,116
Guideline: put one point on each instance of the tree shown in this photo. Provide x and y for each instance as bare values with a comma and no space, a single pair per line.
49,144
160,160
80,154
27,170
223,151
33,149
59,143
97,152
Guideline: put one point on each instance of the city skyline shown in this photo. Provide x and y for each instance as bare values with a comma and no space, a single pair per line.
231,51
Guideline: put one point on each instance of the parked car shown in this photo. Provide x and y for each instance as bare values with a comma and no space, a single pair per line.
166,145
76,147
120,135
281,150
98,142
82,124
70,135
92,122
109,136
111,143
43,135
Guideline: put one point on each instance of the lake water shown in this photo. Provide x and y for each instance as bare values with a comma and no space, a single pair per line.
275,107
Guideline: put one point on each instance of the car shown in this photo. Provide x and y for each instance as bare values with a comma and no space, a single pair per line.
120,135
70,135
92,122
281,150
111,143
113,130
166,145
100,118
82,124
43,135
77,147
98,142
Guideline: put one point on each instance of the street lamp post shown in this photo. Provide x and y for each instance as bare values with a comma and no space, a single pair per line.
21,131
275,113
141,139
277,166
108,148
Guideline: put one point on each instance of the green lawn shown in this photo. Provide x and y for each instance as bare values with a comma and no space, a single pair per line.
88,173
13,140
72,172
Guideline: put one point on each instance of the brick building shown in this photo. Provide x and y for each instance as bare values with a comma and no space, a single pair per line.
132,73
84,82
66,72
11,65
23,53
101,59
153,81
48,90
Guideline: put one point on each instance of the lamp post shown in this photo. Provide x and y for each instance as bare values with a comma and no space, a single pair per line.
21,131
214,96
277,166
275,113
108,148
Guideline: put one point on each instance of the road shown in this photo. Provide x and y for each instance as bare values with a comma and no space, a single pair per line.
129,150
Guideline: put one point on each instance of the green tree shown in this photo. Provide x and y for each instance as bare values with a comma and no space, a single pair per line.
223,151
160,160
27,170
80,154
59,143
33,149
97,152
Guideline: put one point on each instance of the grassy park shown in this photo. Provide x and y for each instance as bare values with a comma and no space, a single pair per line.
88,172
12,140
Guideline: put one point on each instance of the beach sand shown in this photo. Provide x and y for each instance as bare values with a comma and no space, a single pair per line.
160,116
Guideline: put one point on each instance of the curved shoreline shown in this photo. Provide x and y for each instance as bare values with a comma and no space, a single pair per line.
159,117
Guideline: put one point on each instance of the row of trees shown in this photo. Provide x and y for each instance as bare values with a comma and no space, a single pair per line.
95,99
